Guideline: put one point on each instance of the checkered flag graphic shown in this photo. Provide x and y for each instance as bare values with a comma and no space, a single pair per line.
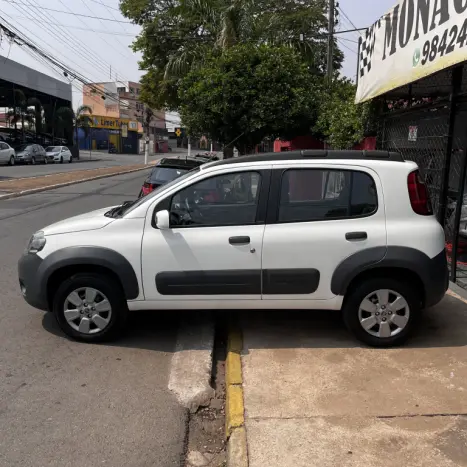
367,48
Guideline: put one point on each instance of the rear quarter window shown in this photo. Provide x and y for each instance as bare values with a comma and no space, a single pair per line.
323,194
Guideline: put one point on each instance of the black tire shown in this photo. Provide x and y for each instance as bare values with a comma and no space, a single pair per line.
71,160
45,160
11,162
355,297
61,160
110,288
33,160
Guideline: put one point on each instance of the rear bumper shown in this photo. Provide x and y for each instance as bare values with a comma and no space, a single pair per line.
436,279
28,267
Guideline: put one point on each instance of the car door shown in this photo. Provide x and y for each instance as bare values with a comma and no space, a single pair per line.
212,250
317,217
4,155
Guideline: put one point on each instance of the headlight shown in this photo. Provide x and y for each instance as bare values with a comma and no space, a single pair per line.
37,242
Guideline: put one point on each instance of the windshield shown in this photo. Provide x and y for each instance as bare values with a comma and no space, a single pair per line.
24,147
53,148
166,174
155,192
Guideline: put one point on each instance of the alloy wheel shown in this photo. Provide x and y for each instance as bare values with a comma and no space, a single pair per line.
12,160
384,313
87,310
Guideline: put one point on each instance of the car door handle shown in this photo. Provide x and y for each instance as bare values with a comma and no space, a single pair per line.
239,240
356,236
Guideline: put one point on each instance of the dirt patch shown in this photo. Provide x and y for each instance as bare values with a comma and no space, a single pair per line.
206,439
16,186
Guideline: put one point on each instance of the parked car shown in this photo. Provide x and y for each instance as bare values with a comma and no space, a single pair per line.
7,154
168,170
300,230
59,154
30,154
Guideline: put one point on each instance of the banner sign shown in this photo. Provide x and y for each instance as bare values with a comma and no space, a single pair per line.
415,39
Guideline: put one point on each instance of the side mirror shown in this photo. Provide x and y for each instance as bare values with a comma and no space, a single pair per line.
163,220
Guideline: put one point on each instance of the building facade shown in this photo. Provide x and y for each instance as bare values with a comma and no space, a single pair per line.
121,101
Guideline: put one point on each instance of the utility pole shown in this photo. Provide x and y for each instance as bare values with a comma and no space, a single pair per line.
330,41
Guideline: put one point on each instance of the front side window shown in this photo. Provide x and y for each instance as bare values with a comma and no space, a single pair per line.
227,199
321,194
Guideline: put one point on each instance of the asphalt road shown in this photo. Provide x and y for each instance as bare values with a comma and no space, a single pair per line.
98,160
68,404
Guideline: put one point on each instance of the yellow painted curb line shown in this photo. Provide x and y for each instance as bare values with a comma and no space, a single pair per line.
237,453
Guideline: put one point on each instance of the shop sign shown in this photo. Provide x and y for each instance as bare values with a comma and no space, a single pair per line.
413,40
113,123
124,131
413,133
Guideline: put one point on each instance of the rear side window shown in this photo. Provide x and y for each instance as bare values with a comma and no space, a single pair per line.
317,195
3,146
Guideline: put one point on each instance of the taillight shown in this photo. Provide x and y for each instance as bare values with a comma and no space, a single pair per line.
418,193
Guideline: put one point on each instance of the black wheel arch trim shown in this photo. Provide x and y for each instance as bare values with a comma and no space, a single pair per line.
432,272
93,256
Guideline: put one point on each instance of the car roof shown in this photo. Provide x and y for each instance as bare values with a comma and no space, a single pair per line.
313,154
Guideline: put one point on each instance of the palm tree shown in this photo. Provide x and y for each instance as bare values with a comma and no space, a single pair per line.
83,120
36,103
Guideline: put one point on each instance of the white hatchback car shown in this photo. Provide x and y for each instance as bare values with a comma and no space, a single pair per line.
59,154
7,154
302,230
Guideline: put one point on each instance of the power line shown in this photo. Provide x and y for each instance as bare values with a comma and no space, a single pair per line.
12,35
110,45
106,6
69,26
61,35
347,47
74,14
345,16
70,38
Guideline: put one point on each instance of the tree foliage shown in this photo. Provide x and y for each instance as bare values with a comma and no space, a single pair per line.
178,36
248,93
342,122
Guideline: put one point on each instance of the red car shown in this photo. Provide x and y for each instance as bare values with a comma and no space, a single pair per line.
168,170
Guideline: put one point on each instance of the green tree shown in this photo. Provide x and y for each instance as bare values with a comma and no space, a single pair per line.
248,93
342,122
67,120
177,37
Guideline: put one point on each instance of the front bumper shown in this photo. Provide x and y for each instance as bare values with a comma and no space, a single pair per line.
28,267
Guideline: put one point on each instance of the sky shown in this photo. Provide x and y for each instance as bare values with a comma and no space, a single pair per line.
99,48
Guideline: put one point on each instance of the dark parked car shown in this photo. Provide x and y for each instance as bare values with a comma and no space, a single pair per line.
168,170
30,154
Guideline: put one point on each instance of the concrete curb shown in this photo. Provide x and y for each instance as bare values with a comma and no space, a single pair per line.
237,448
191,366
60,185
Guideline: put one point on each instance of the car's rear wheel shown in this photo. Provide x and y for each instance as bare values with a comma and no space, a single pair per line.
33,160
382,312
90,307
11,161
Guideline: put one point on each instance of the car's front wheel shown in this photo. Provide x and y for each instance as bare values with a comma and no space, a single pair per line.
382,312
71,159
90,307
11,161
33,160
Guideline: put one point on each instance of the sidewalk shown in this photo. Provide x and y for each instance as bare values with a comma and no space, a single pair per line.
313,397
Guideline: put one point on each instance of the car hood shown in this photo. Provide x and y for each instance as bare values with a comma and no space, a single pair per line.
90,221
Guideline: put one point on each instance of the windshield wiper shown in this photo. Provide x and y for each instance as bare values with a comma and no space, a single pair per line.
119,210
